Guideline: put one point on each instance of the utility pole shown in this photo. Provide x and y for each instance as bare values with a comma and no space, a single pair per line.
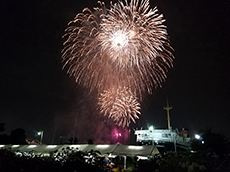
75,125
53,136
167,108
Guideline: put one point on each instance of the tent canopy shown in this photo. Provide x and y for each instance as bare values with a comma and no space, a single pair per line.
126,150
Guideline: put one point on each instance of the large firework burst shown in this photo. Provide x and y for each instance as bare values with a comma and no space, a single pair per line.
134,35
127,43
119,104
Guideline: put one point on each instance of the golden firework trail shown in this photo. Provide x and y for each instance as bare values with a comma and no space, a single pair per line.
125,46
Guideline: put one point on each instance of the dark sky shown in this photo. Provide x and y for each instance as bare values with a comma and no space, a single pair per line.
36,94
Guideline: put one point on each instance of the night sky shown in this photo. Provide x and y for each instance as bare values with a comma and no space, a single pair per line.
36,94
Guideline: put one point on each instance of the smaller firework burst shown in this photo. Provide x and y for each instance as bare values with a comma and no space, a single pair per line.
119,104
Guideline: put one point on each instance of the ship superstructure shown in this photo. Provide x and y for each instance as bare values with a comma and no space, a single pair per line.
161,136
164,136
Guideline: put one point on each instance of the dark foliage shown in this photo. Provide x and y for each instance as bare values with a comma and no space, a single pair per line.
67,161
17,136
2,128
211,142
90,141
185,162
73,140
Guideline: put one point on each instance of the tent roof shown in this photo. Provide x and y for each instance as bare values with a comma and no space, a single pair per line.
135,150
128,150
104,149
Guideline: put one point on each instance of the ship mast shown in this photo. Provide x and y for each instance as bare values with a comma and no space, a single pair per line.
167,108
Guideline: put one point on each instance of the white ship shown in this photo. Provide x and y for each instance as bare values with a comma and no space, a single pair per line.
177,139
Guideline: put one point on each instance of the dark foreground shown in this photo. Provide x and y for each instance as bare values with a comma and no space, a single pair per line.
77,161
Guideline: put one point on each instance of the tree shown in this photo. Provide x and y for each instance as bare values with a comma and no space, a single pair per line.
2,127
4,138
90,141
74,140
18,136
211,142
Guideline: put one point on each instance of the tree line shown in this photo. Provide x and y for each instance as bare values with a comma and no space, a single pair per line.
17,136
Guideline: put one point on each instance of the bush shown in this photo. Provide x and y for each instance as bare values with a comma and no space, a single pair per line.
68,160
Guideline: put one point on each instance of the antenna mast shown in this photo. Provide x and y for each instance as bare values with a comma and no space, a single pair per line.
167,108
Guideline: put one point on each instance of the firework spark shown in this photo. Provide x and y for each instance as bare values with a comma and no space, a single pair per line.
126,45
133,35
81,52
119,104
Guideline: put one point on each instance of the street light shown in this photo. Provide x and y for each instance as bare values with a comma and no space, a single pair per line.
40,133
197,136
151,128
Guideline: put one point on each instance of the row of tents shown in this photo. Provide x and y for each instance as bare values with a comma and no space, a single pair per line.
143,152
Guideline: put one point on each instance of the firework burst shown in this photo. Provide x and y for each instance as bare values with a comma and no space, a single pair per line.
127,43
134,35
119,104
81,52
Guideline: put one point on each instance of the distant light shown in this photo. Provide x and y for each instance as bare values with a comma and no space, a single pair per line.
32,146
118,134
14,146
2,146
202,142
51,146
151,128
197,136
193,151
135,147
112,156
102,146
142,157
40,132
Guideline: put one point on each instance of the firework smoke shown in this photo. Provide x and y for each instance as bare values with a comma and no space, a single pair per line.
120,105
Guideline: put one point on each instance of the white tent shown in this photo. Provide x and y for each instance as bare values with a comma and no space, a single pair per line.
114,150
103,149
130,150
